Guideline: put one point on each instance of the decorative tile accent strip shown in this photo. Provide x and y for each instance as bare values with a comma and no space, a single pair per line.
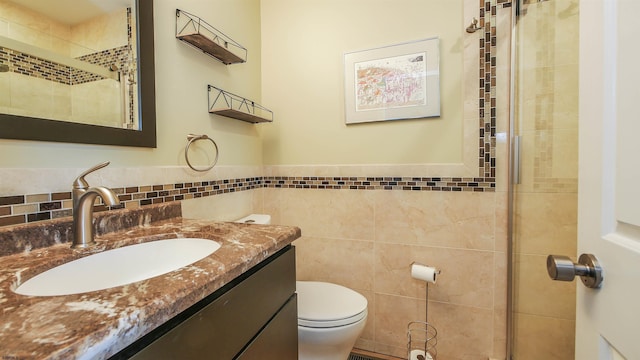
29,65
116,56
487,84
17,210
31,208
382,183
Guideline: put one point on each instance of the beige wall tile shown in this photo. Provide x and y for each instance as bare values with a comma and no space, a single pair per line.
368,334
341,261
500,306
543,338
537,294
546,223
393,313
499,335
460,220
364,344
502,221
565,153
500,281
467,276
399,351
25,209
463,332
4,27
37,198
328,213
5,90
223,207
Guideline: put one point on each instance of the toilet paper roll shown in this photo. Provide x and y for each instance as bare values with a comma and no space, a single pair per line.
424,273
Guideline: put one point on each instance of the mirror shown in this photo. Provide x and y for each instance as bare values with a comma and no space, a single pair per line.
97,92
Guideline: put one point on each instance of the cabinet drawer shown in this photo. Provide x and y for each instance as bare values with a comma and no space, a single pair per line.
221,329
279,339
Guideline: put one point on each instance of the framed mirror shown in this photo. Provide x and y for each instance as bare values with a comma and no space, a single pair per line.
91,81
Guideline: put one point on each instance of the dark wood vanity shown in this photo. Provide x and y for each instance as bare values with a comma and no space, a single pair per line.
252,317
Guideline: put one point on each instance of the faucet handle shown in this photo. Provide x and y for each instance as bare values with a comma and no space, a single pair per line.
81,183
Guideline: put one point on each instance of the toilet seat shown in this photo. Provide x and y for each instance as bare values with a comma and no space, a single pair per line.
325,305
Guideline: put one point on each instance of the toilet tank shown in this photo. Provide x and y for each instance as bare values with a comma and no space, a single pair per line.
255,219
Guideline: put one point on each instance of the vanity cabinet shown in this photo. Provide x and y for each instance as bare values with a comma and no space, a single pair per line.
252,317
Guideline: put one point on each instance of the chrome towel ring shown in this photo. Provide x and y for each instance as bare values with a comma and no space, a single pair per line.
191,138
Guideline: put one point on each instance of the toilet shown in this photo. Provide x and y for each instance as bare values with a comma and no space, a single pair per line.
330,320
331,317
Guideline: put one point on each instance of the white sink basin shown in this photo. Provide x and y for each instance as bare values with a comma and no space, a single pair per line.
118,267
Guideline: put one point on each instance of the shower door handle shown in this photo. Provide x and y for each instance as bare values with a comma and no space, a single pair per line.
562,268
516,160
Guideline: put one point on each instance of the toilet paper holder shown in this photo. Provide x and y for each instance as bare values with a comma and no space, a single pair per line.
422,337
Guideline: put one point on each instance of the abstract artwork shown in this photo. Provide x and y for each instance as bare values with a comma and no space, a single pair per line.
393,82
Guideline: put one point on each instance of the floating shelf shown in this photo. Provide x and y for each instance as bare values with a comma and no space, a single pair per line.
198,33
230,105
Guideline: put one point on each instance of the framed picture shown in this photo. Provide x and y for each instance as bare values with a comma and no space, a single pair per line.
393,82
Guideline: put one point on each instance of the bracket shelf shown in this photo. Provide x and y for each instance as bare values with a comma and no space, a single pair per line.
199,34
230,105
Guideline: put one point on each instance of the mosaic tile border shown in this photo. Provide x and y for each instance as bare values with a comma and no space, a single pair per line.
381,183
29,65
20,209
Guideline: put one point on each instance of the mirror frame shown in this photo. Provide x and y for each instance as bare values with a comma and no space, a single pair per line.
29,128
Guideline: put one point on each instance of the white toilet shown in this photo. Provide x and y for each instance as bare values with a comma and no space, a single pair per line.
330,317
330,320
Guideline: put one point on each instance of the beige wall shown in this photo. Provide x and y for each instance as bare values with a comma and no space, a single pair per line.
303,50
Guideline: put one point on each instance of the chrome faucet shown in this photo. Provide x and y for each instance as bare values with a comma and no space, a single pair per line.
83,198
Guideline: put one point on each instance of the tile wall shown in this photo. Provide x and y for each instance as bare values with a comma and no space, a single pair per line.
39,87
546,199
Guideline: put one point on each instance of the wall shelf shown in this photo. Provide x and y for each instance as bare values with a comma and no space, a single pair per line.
199,34
230,105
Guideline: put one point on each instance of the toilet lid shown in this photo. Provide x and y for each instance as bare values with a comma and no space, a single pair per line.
323,304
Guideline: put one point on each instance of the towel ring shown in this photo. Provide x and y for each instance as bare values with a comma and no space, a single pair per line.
191,138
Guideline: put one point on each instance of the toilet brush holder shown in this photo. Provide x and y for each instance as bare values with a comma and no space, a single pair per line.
422,339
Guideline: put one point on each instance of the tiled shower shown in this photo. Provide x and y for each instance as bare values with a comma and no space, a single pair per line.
545,200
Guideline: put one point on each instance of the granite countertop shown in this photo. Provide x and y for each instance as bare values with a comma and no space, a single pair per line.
98,324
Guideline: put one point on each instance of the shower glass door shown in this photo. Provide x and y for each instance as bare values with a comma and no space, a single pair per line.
544,216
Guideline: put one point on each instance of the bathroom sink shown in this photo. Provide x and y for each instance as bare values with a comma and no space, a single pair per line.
118,267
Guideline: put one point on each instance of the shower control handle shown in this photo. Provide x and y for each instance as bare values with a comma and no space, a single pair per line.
562,268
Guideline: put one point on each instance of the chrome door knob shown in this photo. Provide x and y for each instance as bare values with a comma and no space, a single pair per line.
562,268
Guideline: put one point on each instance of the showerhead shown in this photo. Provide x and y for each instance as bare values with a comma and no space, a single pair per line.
473,27
4,68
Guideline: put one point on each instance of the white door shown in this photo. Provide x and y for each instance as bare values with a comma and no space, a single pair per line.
608,318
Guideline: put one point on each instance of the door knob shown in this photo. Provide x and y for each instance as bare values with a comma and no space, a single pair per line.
562,268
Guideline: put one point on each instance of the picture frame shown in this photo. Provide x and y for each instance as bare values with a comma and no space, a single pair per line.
394,82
